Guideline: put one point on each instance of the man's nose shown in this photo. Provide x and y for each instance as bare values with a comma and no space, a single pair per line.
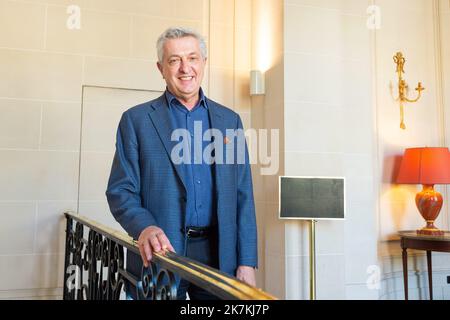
184,66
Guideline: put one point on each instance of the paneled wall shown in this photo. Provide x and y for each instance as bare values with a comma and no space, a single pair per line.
421,37
444,11
339,117
101,112
329,132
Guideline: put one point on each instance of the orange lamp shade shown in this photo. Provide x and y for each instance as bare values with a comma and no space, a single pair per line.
426,166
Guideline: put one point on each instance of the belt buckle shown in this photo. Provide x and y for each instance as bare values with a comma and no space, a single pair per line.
189,232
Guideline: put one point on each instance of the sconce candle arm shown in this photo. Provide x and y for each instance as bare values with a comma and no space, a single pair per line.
419,89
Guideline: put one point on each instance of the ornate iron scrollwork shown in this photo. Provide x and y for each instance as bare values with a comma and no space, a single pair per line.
165,286
95,269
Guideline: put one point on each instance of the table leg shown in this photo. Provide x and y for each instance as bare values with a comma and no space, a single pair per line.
405,271
430,274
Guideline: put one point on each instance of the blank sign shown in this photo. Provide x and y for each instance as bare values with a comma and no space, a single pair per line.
312,198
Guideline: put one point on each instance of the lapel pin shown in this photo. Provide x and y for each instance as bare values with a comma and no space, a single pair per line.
226,140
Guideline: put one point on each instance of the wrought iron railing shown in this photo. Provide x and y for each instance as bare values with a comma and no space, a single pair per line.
95,268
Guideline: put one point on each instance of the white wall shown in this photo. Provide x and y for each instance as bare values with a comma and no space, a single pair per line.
329,132
340,119
427,125
444,12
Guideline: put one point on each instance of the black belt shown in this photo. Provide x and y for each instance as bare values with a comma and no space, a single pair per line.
197,232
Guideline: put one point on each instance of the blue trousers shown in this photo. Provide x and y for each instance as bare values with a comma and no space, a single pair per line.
204,250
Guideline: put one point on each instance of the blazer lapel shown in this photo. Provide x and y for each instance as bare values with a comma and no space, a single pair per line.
217,122
160,116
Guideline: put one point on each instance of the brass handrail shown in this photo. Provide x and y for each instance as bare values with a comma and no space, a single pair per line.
212,280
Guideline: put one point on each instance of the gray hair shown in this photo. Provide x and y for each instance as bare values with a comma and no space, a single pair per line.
176,33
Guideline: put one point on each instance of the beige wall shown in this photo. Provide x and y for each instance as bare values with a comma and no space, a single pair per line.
327,91
44,67
267,113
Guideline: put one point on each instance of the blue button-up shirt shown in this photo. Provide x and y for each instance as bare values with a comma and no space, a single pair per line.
199,175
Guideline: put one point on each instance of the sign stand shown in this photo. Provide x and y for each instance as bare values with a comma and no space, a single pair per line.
312,260
312,199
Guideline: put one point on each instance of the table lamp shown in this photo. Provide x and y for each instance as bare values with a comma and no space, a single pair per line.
427,166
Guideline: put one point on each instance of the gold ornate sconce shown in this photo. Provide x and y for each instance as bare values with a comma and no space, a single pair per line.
400,60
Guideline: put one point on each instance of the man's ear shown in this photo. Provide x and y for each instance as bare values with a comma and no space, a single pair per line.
160,68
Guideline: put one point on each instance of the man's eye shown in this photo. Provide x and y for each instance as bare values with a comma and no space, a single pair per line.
173,61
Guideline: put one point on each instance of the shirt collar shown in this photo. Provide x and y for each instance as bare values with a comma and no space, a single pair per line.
172,99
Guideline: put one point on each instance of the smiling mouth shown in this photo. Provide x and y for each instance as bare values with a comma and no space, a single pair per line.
186,78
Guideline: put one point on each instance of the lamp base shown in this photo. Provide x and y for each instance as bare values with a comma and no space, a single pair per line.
430,231
429,202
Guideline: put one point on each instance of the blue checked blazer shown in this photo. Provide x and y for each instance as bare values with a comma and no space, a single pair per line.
146,188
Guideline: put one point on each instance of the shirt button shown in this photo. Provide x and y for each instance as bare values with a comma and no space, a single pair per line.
198,181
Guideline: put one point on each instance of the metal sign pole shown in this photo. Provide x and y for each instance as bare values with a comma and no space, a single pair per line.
312,260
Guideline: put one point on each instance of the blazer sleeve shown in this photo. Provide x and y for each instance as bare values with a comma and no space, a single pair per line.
246,218
123,191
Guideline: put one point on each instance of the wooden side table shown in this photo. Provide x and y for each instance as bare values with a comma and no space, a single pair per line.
411,240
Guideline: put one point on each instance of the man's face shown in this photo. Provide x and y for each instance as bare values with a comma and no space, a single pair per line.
182,67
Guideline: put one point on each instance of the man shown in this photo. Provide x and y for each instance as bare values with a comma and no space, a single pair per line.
202,210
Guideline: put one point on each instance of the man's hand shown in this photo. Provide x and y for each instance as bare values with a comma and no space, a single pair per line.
152,239
246,274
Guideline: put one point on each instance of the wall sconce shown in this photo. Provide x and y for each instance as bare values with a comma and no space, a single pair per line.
257,83
400,60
